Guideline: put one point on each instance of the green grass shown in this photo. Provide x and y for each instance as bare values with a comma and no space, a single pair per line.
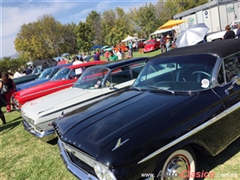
23,157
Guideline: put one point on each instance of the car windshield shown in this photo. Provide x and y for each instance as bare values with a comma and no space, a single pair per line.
45,74
150,42
37,70
177,73
92,78
61,74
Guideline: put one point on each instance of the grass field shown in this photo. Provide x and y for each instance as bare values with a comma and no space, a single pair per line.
23,157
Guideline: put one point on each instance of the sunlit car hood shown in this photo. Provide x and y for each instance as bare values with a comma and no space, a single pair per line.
53,102
107,120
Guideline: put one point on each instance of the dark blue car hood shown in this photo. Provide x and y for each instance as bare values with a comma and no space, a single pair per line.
94,126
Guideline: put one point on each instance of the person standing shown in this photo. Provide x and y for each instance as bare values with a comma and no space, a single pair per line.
96,57
28,70
162,44
2,104
130,45
229,33
168,43
136,42
120,54
129,52
112,56
78,71
98,53
17,74
106,55
238,32
7,81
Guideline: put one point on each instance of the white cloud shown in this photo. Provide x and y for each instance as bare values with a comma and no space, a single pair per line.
15,14
104,5
13,17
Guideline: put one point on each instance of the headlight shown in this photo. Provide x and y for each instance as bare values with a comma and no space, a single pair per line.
103,173
15,101
38,128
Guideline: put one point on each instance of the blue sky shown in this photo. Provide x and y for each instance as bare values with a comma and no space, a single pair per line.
14,13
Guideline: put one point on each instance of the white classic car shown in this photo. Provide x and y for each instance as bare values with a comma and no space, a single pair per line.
95,83
219,35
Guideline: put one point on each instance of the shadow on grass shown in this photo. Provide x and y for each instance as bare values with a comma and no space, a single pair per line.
53,142
9,126
208,163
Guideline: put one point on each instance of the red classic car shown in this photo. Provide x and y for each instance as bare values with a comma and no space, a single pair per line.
61,80
151,45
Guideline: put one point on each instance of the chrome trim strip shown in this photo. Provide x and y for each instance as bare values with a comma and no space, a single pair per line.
77,171
119,143
90,161
194,131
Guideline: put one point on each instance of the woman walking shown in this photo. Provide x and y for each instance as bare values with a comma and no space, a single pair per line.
2,104
7,81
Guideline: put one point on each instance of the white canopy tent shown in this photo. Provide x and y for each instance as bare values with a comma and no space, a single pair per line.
162,31
129,38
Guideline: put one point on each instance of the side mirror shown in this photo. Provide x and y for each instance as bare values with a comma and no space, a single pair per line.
111,86
236,80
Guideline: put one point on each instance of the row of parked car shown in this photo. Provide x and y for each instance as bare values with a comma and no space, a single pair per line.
126,118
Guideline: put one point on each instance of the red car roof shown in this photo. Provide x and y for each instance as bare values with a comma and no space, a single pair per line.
86,64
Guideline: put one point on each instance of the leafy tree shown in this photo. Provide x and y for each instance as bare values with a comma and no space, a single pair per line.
108,20
51,33
10,65
173,7
69,39
84,37
116,26
94,21
41,39
145,18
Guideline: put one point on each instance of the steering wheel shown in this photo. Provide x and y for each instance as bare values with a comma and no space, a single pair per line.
201,72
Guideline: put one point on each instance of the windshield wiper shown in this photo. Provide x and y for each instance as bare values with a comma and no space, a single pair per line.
138,88
161,89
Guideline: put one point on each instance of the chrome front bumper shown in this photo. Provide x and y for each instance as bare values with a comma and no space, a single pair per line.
77,171
45,136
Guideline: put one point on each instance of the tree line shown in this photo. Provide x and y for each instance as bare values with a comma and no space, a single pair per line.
47,37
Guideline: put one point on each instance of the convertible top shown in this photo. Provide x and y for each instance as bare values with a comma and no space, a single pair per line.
222,48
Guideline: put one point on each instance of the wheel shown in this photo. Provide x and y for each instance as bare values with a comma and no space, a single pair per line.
202,72
180,165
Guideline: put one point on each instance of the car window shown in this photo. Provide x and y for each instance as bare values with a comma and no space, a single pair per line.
182,74
221,77
120,75
54,72
72,75
150,42
62,74
45,73
232,67
92,78
136,69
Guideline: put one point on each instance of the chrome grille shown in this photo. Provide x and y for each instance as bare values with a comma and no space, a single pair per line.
57,130
79,155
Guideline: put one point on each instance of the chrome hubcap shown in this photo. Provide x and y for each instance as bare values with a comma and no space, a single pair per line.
177,169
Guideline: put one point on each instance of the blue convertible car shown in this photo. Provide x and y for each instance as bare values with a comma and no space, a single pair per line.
184,101
45,76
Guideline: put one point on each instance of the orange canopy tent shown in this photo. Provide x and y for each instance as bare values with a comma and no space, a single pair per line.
171,23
